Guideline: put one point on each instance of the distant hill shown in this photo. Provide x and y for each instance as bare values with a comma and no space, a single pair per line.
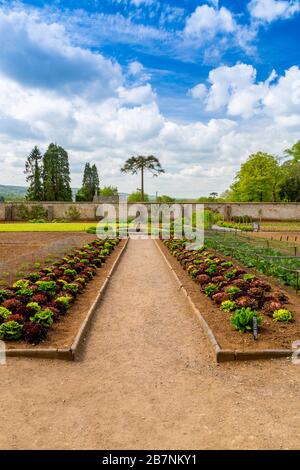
12,193
18,193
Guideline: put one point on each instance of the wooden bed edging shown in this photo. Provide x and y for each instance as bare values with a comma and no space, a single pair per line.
72,352
225,355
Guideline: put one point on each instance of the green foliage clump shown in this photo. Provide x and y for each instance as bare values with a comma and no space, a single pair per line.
4,312
10,331
228,306
35,306
248,277
25,292
21,284
282,315
233,290
210,289
65,300
242,319
43,317
70,272
231,274
46,286
73,213
72,287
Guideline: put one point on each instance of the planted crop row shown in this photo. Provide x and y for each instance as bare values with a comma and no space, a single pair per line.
232,289
255,256
31,305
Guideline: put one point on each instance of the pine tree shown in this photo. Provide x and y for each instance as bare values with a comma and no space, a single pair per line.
90,184
33,170
56,174
95,180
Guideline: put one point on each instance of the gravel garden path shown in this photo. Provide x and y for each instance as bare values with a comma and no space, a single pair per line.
147,379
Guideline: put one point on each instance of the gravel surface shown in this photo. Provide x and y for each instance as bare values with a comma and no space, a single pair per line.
147,379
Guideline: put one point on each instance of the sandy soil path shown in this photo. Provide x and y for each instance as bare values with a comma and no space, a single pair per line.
147,380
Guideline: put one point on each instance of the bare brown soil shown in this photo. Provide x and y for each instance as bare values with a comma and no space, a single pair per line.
148,380
19,251
63,332
272,335
284,236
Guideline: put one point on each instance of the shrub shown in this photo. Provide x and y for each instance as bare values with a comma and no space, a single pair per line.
228,305
73,213
11,330
242,319
282,315
44,318
37,212
34,333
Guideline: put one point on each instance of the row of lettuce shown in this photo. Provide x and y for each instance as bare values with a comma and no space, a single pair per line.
31,305
239,293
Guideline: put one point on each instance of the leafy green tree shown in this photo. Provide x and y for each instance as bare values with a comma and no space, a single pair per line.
257,180
294,152
95,180
141,164
56,174
164,199
34,175
90,184
109,191
137,197
290,186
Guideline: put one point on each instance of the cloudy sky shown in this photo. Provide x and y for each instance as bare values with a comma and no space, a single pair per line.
199,84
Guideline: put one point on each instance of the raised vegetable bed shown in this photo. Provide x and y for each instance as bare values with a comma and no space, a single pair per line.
31,307
230,297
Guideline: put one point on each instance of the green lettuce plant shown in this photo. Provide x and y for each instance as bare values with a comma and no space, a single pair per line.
242,319
228,306
10,331
282,315
43,317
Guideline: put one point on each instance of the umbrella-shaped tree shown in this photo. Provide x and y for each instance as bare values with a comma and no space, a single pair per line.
141,164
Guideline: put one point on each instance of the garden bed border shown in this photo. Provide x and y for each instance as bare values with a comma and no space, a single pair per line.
70,353
224,355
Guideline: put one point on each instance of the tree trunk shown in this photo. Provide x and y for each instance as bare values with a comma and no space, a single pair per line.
142,183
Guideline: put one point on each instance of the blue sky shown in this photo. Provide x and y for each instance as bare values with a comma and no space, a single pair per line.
200,84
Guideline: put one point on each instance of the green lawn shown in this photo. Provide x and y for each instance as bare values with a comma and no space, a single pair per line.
47,227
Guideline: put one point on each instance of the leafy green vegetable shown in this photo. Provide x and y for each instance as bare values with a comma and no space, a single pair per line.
228,305
4,312
282,315
242,319
11,330
43,317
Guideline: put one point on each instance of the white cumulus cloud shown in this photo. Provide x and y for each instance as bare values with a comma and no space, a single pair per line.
271,10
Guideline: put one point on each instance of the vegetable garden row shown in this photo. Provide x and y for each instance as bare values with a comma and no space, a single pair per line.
279,263
31,305
241,294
